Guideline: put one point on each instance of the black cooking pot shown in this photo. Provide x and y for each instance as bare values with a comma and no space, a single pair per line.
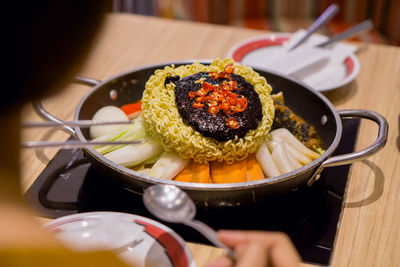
128,86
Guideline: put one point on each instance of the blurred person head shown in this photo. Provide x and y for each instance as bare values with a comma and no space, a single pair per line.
45,43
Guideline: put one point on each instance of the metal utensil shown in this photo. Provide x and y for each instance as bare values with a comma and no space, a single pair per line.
363,26
295,61
72,144
171,204
81,123
321,21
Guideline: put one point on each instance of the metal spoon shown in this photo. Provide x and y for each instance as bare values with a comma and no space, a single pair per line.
171,204
321,21
365,25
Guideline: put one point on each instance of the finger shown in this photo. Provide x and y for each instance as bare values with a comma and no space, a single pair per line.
278,245
236,237
282,253
251,254
221,262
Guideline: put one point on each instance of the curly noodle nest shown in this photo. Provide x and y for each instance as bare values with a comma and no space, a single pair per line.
164,123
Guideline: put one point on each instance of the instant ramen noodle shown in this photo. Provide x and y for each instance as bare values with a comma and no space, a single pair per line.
222,111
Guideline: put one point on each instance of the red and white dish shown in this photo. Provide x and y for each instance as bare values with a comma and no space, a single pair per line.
136,240
254,51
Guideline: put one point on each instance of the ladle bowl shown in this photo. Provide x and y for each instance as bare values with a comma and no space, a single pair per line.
171,204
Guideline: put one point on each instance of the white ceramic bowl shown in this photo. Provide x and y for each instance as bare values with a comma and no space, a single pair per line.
136,240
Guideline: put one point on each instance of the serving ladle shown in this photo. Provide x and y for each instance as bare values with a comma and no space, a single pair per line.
171,204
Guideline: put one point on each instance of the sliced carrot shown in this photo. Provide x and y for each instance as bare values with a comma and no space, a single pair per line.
254,170
132,107
194,173
221,172
201,173
235,172
217,175
229,173
186,174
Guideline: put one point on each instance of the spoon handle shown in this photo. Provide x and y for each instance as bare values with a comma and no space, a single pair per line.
321,21
211,235
363,26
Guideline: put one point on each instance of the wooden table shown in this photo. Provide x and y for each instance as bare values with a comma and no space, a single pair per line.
370,231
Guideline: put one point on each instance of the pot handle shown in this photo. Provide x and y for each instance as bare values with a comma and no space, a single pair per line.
44,114
349,158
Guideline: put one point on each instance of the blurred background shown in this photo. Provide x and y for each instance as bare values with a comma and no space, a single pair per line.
277,15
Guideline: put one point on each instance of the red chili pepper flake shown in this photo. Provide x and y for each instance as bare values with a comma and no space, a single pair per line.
215,96
233,84
220,96
241,104
200,99
226,88
213,110
223,74
208,87
213,75
201,92
230,110
232,123
223,106
229,68
198,105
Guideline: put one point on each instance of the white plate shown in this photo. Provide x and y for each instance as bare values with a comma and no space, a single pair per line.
136,240
254,51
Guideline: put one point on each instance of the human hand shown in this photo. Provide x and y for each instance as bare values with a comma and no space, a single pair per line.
258,249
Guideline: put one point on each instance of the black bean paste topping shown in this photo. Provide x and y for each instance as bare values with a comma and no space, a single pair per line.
215,126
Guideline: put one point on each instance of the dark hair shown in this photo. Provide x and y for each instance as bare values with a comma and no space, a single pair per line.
45,41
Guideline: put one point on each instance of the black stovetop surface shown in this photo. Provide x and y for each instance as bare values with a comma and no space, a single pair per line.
310,216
